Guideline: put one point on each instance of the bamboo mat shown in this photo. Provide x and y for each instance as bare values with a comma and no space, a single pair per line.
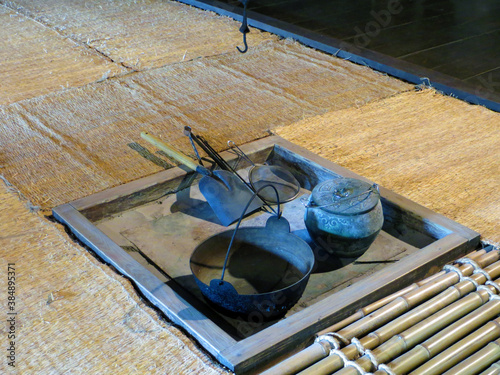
74,314
435,150
140,34
36,60
70,144
445,324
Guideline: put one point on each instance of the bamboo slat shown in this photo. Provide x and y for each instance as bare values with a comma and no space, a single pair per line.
494,369
320,349
422,353
364,311
392,311
478,361
417,333
457,352
406,302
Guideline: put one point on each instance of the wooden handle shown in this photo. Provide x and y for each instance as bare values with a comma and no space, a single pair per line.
170,151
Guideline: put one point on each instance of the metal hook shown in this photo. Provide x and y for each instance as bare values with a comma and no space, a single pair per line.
244,27
244,42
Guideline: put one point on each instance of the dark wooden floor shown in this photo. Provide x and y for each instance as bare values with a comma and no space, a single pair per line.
456,38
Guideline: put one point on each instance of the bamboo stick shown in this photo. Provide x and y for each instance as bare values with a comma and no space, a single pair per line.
462,349
317,351
294,364
361,313
409,300
388,312
428,324
443,299
478,361
442,340
494,369
415,334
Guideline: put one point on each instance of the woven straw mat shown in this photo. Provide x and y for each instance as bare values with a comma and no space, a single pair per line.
435,150
36,60
143,33
71,144
75,315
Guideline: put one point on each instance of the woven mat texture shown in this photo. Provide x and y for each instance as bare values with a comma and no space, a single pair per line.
36,60
435,150
140,34
75,315
70,144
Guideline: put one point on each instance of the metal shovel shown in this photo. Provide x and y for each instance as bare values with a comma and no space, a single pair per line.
223,190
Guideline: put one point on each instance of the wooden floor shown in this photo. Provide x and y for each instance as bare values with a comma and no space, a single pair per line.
455,38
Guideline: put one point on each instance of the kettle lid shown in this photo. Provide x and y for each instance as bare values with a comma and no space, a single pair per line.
345,196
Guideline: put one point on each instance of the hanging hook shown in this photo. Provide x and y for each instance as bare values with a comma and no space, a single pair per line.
244,27
245,43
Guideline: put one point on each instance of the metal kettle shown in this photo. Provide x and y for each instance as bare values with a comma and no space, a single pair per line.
344,216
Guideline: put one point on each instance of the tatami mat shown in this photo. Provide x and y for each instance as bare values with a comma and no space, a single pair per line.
35,60
141,34
437,151
71,144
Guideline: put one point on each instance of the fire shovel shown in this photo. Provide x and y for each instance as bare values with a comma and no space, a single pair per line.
226,194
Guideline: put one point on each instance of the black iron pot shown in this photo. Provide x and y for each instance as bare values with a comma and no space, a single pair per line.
266,272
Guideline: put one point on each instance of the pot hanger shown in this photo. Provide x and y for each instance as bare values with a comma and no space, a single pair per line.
244,27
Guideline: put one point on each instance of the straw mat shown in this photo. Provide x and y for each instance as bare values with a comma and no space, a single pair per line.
437,151
140,34
75,315
36,60
70,144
